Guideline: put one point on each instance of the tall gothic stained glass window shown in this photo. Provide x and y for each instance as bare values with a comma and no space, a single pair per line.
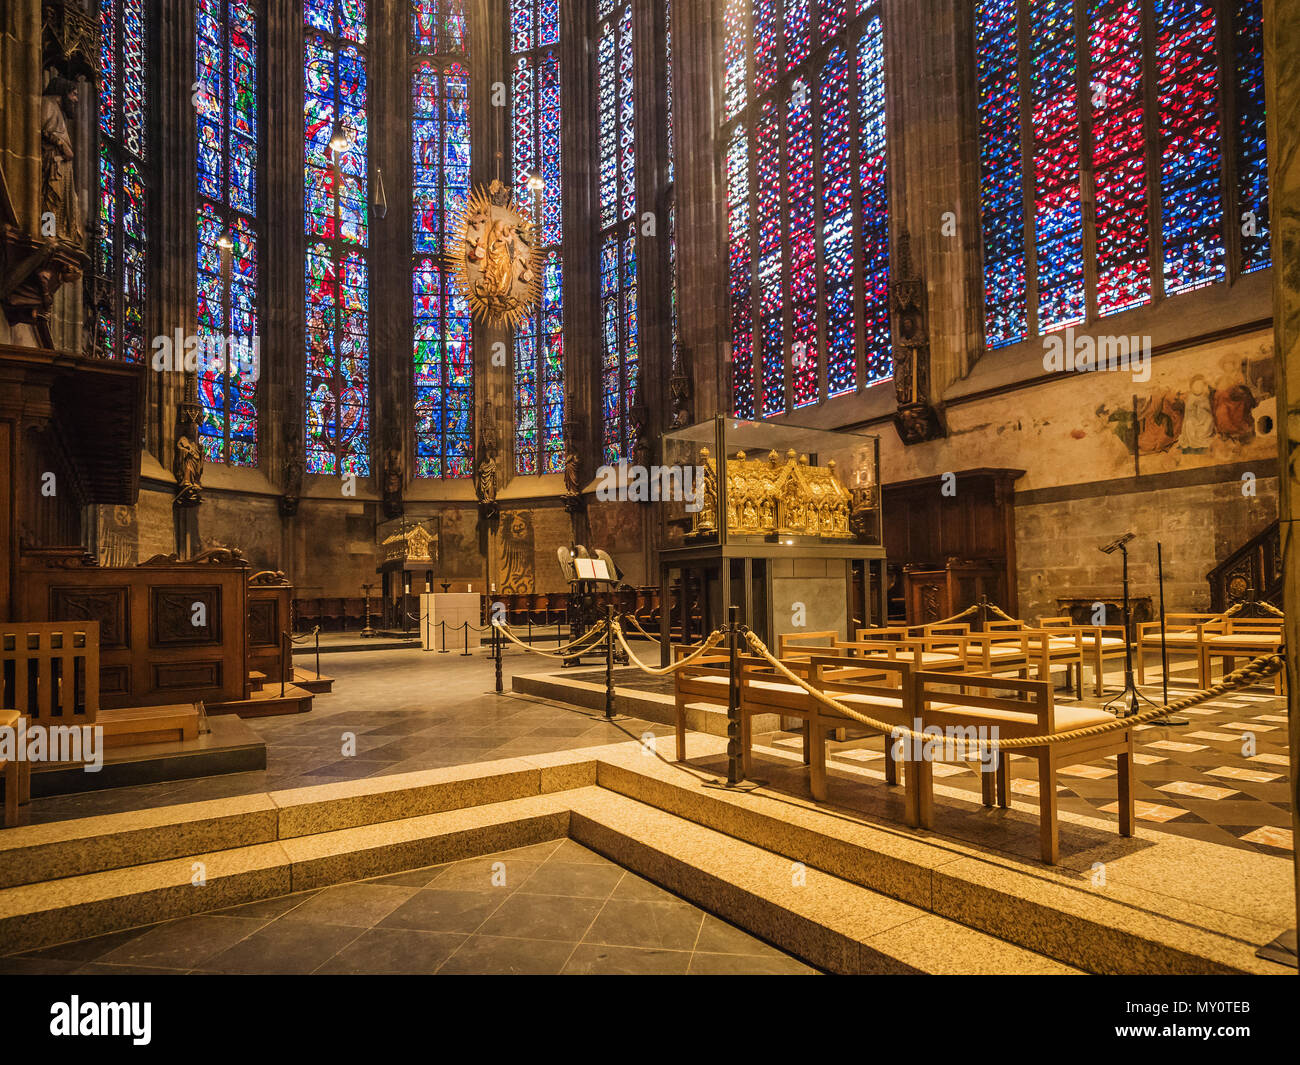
122,179
616,126
337,228
440,161
535,152
226,69
1133,137
807,201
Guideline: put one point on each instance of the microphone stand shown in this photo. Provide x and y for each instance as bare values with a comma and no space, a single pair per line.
1130,688
1164,649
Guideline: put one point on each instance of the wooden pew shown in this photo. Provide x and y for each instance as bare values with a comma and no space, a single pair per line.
965,700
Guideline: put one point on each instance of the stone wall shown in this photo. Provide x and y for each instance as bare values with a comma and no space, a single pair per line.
1197,525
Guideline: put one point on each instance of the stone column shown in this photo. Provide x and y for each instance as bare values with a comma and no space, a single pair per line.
934,170
1282,86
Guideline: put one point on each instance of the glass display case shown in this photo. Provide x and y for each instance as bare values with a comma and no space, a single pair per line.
730,482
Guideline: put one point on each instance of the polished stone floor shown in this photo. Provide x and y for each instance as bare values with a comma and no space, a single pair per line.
399,711
553,908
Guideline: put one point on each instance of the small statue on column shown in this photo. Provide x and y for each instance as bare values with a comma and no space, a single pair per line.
58,184
485,470
393,506
187,463
293,470
572,463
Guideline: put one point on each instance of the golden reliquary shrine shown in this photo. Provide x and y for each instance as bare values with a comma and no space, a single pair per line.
770,497
411,543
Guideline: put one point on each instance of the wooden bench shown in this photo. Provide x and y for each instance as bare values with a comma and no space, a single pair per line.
965,701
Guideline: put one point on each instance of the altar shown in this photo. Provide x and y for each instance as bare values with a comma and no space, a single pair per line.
444,617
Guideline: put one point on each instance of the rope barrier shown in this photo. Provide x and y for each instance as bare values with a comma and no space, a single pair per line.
571,651
714,638
1264,666
632,618
1236,608
304,636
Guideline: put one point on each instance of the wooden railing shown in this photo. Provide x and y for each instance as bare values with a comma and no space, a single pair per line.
1255,564
50,671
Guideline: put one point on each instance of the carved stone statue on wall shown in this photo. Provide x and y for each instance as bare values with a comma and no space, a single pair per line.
572,463
393,506
293,471
679,385
59,206
187,465
485,471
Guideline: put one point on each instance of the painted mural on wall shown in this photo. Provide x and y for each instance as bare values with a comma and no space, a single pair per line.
1217,414
1212,405
518,573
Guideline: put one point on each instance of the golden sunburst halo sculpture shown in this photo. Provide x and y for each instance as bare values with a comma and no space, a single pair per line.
495,257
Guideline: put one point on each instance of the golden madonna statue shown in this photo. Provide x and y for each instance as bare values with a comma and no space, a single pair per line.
495,257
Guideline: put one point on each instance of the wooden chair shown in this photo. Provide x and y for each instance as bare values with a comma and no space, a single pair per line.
966,701
1099,643
1231,638
1182,633
15,772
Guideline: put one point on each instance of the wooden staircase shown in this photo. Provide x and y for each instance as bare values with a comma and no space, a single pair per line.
1256,564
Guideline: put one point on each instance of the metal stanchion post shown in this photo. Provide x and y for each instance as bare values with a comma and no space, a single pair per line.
609,660
442,649
496,652
286,658
318,652
465,653
735,772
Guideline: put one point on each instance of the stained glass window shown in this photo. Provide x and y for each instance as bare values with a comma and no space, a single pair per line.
616,127
122,243
1002,202
807,201
1084,102
535,151
1251,149
336,219
877,355
443,365
226,60
1191,143
740,281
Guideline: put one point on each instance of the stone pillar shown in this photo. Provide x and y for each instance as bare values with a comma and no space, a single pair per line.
1282,87
934,170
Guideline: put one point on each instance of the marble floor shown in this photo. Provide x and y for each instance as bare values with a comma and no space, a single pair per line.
391,711
553,908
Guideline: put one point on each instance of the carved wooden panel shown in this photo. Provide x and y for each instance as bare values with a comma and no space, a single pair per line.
108,606
178,676
114,680
184,616
263,623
